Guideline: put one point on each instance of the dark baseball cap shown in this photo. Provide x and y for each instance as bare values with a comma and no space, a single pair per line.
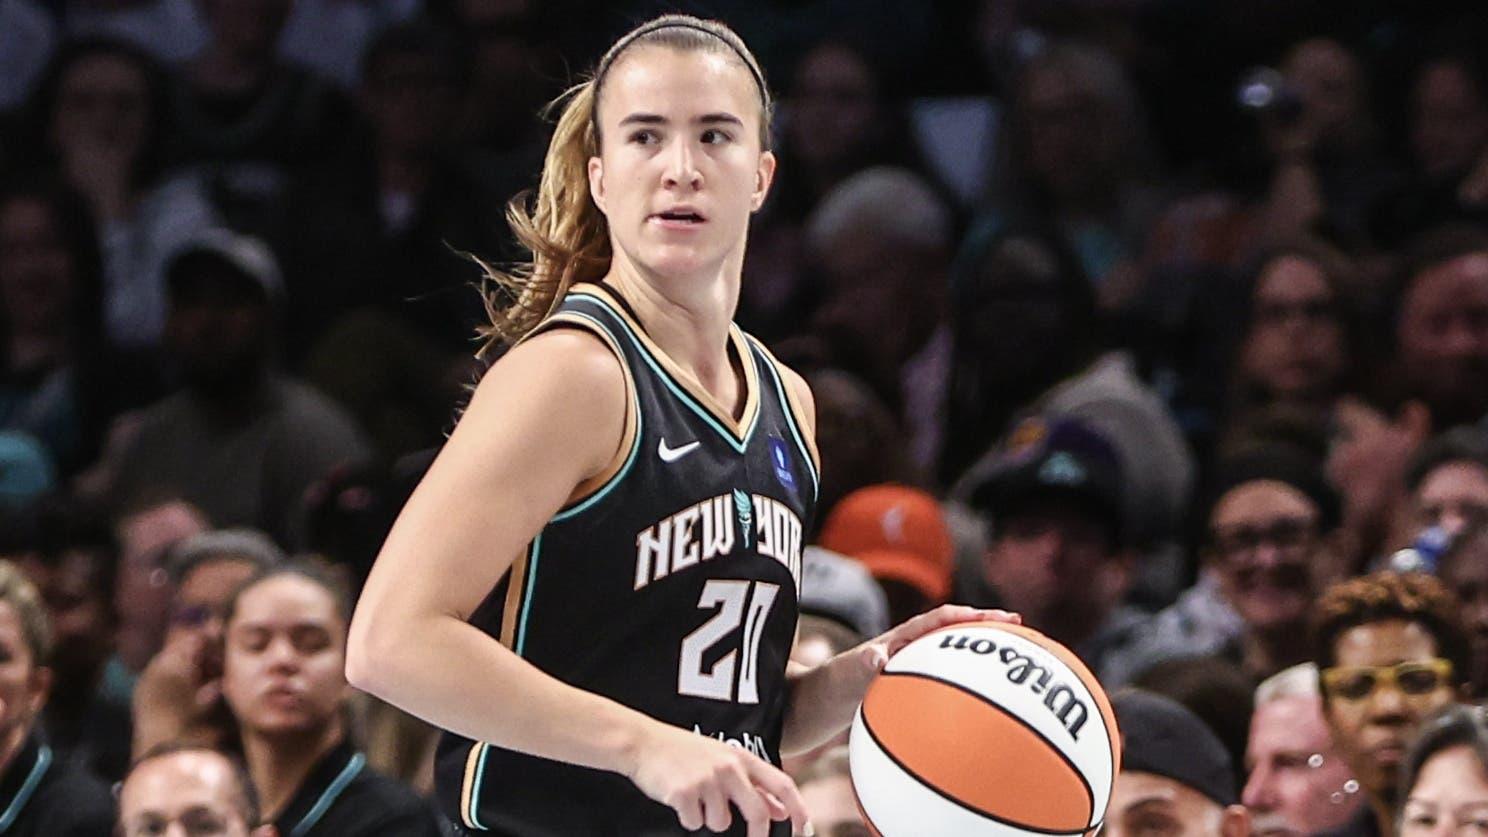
1060,458
1163,737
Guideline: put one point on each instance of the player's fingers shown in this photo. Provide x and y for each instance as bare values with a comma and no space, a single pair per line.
715,807
689,811
781,786
773,806
749,801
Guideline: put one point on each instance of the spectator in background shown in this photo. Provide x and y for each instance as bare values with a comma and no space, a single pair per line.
58,381
1446,485
283,677
1299,347
841,607
827,790
179,695
1269,518
376,226
1173,771
1076,166
1010,292
1298,785
1442,327
882,241
241,441
837,119
1325,170
1052,497
1463,567
382,234
146,532
100,115
1448,132
73,565
1214,689
840,595
250,121
860,441
512,73
1438,379
203,791
900,537
44,795
1390,651
1444,783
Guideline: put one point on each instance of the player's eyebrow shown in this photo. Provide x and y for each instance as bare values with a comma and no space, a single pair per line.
722,117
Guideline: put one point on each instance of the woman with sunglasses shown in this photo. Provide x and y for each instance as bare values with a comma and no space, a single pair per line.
1390,652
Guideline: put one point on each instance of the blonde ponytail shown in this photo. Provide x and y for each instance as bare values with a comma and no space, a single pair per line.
560,225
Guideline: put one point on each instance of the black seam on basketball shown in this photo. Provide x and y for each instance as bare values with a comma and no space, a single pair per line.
1074,768
1089,793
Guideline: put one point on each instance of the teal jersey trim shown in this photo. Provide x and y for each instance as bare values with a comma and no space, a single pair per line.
533,553
635,445
790,420
28,787
328,797
681,394
475,787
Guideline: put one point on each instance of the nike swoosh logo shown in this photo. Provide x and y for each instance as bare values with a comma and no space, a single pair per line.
673,454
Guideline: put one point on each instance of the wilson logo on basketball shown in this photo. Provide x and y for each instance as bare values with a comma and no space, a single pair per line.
1061,700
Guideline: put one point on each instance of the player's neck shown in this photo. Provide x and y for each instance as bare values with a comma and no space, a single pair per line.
279,765
689,319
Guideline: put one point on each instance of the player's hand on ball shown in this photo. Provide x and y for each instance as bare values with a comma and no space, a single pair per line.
699,777
876,652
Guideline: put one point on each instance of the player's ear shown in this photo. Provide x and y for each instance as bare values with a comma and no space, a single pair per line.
764,175
596,182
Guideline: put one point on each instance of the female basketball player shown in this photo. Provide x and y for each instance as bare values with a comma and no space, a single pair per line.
594,588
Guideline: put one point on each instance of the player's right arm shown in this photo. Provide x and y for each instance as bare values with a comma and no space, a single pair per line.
545,418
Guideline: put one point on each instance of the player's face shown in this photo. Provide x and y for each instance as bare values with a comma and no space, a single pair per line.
285,656
680,166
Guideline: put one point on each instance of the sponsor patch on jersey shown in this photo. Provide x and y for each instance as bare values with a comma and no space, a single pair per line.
780,458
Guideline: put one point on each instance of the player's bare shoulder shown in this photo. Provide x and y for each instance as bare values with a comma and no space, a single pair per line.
561,385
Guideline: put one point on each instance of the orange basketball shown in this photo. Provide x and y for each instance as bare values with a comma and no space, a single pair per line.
984,729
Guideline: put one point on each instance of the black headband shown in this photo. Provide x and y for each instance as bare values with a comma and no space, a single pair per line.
759,80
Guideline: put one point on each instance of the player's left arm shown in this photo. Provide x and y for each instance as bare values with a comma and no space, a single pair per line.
821,700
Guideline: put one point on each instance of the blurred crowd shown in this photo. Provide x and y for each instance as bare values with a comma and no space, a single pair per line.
1163,323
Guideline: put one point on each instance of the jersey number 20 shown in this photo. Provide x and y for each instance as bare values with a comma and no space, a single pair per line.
746,602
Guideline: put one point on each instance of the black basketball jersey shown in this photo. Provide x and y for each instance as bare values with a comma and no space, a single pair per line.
670,587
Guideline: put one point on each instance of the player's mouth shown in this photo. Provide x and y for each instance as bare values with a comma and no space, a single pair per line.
678,218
